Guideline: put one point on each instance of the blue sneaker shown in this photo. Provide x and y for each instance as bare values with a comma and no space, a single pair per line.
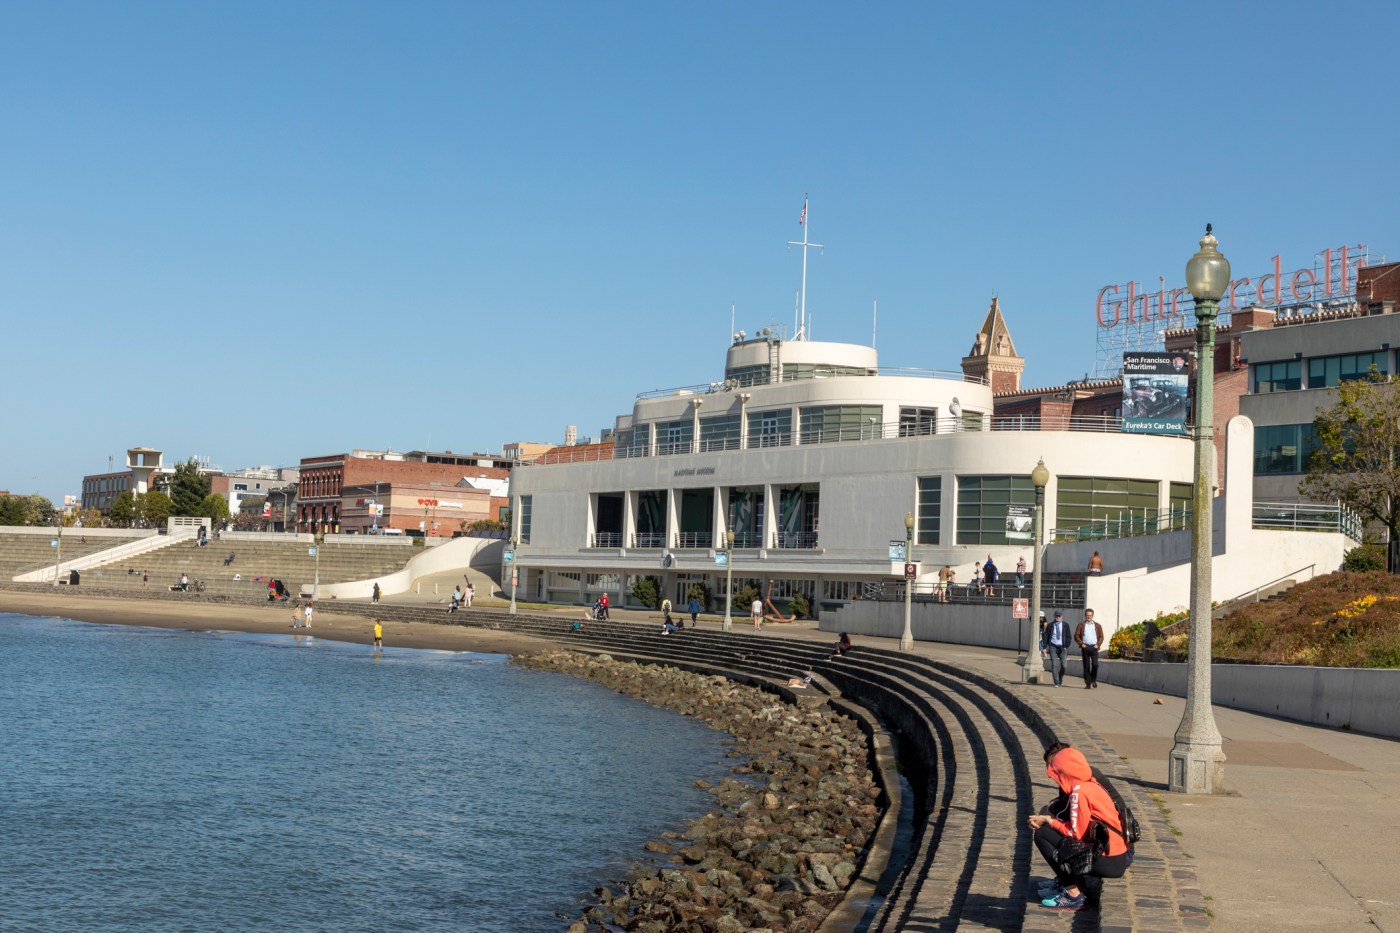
1062,901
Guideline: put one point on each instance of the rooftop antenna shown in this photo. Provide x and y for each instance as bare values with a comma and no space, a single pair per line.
731,318
874,320
802,294
796,311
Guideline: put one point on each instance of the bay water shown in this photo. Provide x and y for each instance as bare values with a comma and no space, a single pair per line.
155,779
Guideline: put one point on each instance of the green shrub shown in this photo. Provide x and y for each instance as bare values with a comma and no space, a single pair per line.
646,592
701,592
801,609
1364,558
744,598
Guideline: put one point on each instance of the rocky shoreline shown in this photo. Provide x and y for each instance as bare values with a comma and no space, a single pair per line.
787,834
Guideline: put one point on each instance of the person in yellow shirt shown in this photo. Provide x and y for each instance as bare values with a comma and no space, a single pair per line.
378,637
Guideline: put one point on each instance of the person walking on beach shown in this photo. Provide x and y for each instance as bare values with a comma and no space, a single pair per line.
693,607
296,614
307,613
378,637
471,592
374,597
757,610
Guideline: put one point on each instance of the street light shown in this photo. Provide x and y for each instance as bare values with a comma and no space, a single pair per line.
58,546
1196,764
906,641
729,580
1040,476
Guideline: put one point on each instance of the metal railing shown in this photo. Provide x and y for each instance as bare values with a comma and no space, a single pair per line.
607,539
1062,591
1308,516
803,540
1127,524
694,539
711,388
649,539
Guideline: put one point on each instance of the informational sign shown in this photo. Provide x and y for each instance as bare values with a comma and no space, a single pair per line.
911,571
1020,524
897,555
721,559
509,556
1154,393
1020,608
311,552
53,542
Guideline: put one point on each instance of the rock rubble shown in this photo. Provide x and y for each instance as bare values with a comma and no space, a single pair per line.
787,834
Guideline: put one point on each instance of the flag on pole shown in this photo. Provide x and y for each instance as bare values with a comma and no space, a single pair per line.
802,218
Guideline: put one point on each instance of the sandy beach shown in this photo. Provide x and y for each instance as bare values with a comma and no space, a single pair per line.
197,616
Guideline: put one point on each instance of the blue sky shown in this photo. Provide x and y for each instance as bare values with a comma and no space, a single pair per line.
262,231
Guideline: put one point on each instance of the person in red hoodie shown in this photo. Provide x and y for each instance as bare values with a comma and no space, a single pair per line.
1082,806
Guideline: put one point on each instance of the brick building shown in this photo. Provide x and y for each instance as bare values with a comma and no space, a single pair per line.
335,489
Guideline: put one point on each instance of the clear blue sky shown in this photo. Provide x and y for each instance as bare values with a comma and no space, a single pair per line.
261,231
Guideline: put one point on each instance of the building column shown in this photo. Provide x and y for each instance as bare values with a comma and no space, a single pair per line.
695,404
744,399
770,517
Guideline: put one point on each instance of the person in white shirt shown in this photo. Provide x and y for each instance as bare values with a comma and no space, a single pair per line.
757,610
1089,637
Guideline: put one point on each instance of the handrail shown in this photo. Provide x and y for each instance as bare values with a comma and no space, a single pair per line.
710,388
1255,592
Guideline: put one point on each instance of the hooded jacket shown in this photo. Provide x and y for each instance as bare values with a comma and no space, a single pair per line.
1086,801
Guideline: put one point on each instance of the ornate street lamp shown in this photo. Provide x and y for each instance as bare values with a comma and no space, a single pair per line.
729,580
1040,476
1196,764
906,641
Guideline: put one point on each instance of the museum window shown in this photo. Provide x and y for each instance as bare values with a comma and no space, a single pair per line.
1283,376
929,518
1328,371
983,503
741,376
770,428
674,437
914,422
720,432
827,424
1282,448
525,513
1126,505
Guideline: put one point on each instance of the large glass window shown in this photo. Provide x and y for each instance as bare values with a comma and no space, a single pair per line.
1282,448
525,516
1284,376
674,437
982,502
916,421
1083,501
826,424
795,371
719,433
770,428
1326,371
741,376
930,514
632,442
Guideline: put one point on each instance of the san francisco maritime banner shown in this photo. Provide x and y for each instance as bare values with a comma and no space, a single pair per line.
1154,393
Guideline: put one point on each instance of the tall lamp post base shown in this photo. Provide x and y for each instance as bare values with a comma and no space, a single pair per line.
1196,769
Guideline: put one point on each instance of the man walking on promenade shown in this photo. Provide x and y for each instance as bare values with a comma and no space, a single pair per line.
1089,637
1056,640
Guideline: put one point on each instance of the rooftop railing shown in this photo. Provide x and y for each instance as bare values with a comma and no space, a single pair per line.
1308,516
1126,524
732,385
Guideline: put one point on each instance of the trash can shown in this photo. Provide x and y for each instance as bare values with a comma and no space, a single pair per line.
72,578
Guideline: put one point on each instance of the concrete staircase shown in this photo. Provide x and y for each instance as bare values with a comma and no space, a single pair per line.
24,552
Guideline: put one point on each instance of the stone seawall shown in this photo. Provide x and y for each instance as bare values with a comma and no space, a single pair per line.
788,832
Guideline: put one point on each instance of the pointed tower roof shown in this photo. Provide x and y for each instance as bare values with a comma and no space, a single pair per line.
993,355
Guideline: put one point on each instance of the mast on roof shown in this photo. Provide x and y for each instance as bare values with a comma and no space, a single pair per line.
802,294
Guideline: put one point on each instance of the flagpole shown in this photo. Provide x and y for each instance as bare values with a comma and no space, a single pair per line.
802,294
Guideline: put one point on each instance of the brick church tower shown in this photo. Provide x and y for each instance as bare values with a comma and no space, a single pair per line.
993,355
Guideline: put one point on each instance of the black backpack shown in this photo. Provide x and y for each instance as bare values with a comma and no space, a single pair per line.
1131,831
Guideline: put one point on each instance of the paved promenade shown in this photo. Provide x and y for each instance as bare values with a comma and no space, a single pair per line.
1307,836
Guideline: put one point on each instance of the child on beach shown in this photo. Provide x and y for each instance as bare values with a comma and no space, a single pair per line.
296,614
378,637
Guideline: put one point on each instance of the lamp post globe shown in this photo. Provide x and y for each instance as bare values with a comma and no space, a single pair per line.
906,641
1040,478
1196,764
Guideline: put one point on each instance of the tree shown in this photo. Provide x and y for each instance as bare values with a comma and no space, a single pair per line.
13,511
1354,454
154,508
40,509
214,507
123,510
188,487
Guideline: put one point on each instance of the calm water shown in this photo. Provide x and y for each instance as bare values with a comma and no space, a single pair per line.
160,780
